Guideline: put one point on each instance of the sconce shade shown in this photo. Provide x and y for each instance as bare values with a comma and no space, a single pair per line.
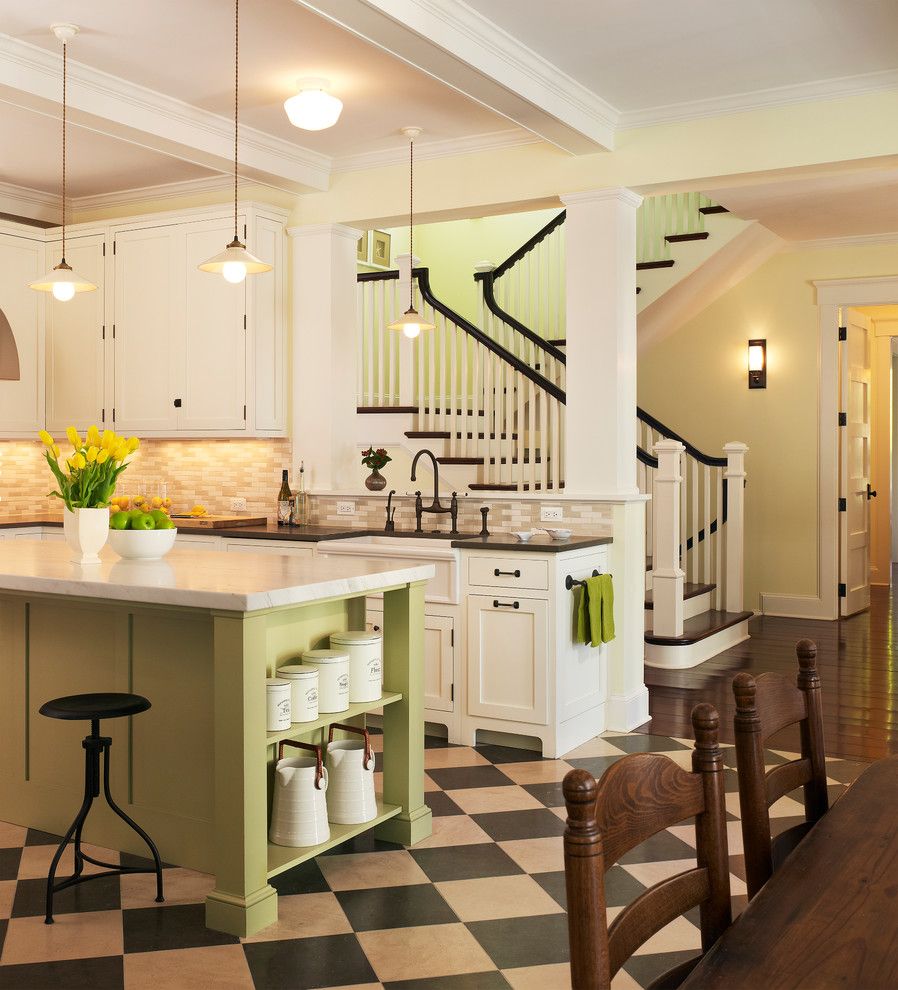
757,364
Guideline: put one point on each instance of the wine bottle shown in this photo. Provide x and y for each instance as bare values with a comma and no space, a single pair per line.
300,516
284,500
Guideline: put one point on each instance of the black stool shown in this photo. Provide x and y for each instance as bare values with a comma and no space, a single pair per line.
94,707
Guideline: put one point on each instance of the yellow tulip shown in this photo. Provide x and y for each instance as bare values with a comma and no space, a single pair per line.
108,441
93,436
92,454
74,437
78,461
133,444
46,439
54,450
102,457
120,452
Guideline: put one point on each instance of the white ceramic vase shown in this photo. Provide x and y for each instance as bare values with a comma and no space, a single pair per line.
299,808
350,764
86,532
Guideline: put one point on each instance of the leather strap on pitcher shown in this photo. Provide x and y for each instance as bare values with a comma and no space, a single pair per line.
319,763
369,752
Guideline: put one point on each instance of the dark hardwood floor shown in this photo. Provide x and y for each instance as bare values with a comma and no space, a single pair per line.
858,663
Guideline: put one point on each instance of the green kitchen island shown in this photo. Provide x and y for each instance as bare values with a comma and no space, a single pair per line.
197,633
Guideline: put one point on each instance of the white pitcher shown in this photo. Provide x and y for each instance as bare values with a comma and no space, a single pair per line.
299,808
351,766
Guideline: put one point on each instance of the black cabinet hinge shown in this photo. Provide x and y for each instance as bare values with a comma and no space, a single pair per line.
113,331
104,249
244,321
113,414
104,331
244,233
843,419
843,333
843,591
452,692
452,637
843,505
113,247
103,415
244,414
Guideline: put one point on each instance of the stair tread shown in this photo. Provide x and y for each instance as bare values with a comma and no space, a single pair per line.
698,235
386,409
712,209
460,460
428,434
700,627
643,265
690,590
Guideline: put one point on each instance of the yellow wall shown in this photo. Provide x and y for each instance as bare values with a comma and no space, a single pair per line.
696,382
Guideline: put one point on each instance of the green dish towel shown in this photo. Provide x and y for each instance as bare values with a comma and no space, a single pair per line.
595,611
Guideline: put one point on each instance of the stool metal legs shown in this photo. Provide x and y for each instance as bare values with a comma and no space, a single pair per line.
96,745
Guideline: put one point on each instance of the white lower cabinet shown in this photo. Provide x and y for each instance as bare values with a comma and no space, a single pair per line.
508,650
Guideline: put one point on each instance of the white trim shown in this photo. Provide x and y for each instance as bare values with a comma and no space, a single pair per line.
794,606
761,99
618,194
337,229
144,194
668,657
851,240
875,290
31,203
626,712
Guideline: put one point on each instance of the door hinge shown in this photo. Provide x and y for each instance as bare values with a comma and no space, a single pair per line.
452,692
843,591
843,333
843,505
843,419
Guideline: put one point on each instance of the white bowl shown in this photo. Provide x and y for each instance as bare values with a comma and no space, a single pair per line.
559,534
142,544
522,535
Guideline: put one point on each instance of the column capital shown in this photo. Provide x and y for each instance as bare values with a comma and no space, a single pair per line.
619,194
335,229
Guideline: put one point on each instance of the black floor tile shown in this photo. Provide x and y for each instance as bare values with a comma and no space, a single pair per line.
620,887
551,795
454,778
554,885
180,926
102,894
646,969
35,837
365,843
844,770
437,742
3,926
306,878
508,754
465,862
659,848
9,863
493,980
731,781
395,907
104,973
596,765
535,941
308,963
441,804
505,826
642,742
142,862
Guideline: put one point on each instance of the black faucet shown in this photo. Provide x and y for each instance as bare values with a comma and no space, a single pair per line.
435,506
390,526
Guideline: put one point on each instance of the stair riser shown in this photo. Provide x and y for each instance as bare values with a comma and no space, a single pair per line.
684,657
691,607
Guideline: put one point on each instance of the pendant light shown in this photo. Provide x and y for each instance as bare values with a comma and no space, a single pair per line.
62,281
235,262
411,323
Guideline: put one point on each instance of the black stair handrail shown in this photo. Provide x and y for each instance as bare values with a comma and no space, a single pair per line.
527,246
489,297
669,434
422,275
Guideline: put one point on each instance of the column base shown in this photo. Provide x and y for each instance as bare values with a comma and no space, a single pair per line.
242,916
626,712
407,829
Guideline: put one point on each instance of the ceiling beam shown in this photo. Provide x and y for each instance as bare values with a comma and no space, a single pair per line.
451,42
30,77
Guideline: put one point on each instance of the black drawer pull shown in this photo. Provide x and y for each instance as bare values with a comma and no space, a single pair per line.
499,573
498,604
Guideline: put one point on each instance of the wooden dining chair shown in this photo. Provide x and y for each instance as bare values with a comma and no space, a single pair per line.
637,797
764,705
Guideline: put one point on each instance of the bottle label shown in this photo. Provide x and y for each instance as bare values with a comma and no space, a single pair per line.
284,511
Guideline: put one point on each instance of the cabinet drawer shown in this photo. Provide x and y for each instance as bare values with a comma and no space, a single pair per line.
502,572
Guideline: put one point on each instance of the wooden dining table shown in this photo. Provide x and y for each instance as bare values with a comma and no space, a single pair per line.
829,916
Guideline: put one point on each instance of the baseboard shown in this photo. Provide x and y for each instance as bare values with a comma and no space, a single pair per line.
795,606
624,712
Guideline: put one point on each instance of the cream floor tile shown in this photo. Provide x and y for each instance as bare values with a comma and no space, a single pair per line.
462,756
651,873
537,855
561,812
35,862
360,871
305,916
682,758
7,896
679,936
787,807
424,953
430,784
483,800
536,772
222,967
73,936
600,746
554,977
453,830
734,836
497,897
179,887
12,835
623,981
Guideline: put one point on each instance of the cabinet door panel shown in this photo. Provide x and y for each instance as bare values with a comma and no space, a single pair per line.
148,327
267,324
22,402
75,346
507,658
214,390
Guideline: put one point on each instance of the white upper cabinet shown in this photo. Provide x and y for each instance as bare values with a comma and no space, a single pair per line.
75,341
22,402
266,327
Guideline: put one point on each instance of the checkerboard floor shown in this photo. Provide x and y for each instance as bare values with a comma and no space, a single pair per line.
480,904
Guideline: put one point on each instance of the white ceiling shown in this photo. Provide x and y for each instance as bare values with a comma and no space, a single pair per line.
640,54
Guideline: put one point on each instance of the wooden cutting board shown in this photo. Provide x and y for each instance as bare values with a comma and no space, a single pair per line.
220,522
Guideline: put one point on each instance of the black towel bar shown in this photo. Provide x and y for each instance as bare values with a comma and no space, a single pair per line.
569,582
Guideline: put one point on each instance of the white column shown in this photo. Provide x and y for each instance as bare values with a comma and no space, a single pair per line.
667,575
325,352
405,263
734,591
600,418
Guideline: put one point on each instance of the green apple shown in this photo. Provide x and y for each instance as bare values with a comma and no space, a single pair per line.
165,523
158,518
119,520
143,521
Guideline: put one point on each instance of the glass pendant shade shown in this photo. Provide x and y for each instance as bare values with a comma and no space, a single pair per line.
235,263
313,108
411,323
63,282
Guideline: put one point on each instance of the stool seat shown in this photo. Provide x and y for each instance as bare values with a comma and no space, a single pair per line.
94,706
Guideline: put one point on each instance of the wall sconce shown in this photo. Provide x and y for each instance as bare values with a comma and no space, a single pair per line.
757,364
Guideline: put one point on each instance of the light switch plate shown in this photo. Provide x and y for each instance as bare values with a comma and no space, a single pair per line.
345,508
551,513
238,505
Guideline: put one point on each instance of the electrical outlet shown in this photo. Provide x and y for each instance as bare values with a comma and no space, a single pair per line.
345,508
238,505
550,513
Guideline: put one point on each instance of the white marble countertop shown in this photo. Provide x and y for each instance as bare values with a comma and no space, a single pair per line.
244,582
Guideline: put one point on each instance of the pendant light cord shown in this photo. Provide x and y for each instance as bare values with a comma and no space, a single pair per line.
64,101
236,100
411,223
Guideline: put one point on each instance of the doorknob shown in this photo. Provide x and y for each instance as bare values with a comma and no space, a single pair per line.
870,492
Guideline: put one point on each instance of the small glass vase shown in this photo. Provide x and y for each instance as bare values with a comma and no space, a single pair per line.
86,532
375,482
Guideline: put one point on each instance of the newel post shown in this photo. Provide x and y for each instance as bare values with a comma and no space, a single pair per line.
667,575
407,348
735,526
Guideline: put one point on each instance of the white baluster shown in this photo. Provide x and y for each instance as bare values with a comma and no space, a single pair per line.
735,527
667,574
718,542
706,507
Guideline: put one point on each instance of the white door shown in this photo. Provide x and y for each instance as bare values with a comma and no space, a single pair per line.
149,322
22,402
439,658
507,660
214,384
75,342
854,453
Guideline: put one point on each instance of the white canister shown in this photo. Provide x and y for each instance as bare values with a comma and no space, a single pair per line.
303,690
350,765
278,696
333,679
366,651
299,808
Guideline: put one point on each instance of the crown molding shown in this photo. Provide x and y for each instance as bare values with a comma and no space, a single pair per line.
475,144
851,240
33,204
761,99
145,194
